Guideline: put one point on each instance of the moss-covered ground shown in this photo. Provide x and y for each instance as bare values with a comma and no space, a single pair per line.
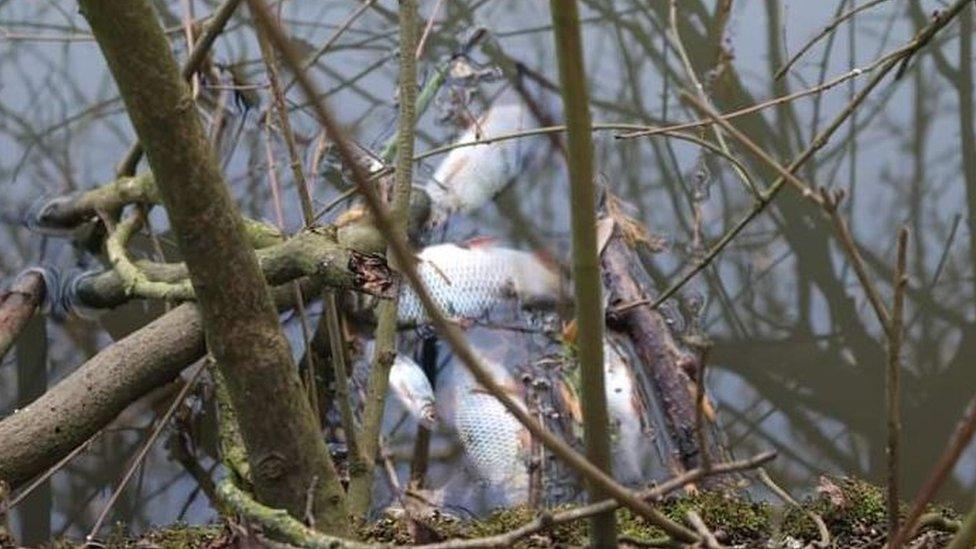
852,510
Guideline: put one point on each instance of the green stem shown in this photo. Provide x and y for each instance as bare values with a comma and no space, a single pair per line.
278,523
586,261
423,101
361,478
338,352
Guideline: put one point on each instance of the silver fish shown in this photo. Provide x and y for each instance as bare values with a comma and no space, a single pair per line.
468,177
467,281
410,386
626,413
495,443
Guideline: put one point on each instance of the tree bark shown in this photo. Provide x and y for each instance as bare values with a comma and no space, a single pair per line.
655,346
288,457
38,435
17,306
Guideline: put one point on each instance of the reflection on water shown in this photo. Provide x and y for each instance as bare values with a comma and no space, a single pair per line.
798,361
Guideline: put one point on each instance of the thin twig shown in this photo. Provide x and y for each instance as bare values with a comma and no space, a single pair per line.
706,109
427,29
338,352
893,385
144,451
48,474
384,351
825,32
193,63
586,262
788,499
959,441
886,64
305,199
829,202
699,89
313,59
708,538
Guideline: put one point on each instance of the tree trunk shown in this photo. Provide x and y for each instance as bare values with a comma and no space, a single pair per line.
288,457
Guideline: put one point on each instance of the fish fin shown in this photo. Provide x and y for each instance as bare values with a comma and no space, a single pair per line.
476,242
604,230
546,259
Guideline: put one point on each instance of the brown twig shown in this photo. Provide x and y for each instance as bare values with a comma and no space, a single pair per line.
959,441
305,199
17,306
699,89
144,451
313,59
823,33
893,385
384,351
47,474
886,64
708,538
193,63
338,353
788,499
430,25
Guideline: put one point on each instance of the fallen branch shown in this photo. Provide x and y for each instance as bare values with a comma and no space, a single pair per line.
659,354
17,306
68,414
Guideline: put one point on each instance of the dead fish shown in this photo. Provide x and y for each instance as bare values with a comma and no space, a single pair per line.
471,176
410,386
626,410
468,280
495,443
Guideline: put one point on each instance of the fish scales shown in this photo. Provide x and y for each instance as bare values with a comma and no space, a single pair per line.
468,177
490,436
494,442
466,282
